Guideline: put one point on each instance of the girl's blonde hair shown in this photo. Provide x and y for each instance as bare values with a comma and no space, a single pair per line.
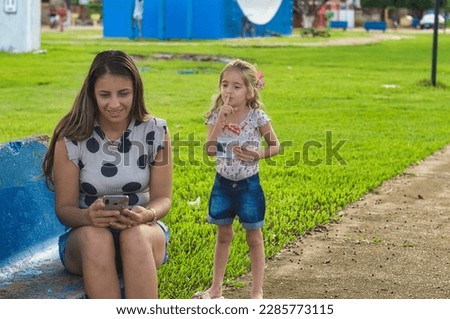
251,80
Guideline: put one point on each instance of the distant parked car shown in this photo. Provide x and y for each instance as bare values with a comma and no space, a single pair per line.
427,21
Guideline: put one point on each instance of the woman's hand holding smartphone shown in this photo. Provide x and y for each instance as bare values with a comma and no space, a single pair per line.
120,203
116,202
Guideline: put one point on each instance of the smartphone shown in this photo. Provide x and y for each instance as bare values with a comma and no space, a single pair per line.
116,202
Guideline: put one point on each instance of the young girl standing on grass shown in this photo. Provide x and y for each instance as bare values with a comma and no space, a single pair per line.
236,124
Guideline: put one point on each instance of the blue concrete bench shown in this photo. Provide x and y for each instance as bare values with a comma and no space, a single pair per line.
29,228
339,25
375,25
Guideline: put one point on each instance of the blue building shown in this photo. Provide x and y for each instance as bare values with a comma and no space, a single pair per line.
198,19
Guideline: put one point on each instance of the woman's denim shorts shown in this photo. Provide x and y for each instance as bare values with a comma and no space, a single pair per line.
64,237
244,198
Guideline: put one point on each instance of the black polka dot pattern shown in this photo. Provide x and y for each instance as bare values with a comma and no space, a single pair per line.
109,170
150,138
131,187
122,167
142,161
92,145
89,200
134,199
89,188
124,146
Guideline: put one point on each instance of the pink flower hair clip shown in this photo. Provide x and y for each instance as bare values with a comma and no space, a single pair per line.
260,80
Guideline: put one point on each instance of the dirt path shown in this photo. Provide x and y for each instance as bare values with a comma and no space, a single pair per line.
392,243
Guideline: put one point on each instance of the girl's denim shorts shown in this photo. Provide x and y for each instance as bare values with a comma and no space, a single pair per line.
64,237
244,198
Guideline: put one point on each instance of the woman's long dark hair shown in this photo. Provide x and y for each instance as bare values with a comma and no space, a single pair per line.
78,124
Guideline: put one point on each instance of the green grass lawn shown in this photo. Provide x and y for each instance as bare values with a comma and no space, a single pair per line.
348,117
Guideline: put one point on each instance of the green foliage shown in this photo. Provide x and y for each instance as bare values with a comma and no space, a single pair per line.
376,3
412,4
369,99
95,7
419,5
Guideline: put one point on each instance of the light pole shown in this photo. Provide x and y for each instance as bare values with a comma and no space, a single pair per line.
435,42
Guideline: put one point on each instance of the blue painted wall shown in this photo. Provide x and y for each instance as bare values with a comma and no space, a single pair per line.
188,19
27,216
117,18
207,20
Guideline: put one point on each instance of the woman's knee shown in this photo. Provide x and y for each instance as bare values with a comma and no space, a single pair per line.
142,242
86,245
94,238
139,239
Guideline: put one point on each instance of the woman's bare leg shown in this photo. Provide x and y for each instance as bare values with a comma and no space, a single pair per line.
142,248
90,252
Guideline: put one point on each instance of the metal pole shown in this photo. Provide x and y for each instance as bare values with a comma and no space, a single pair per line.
445,20
435,42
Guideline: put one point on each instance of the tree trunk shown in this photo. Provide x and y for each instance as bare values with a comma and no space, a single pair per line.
308,21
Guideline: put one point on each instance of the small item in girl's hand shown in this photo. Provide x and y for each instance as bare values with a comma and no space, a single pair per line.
234,128
225,147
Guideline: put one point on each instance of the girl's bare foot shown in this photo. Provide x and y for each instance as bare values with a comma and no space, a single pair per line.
258,295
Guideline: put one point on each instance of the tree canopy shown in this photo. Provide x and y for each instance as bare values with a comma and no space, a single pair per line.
411,4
